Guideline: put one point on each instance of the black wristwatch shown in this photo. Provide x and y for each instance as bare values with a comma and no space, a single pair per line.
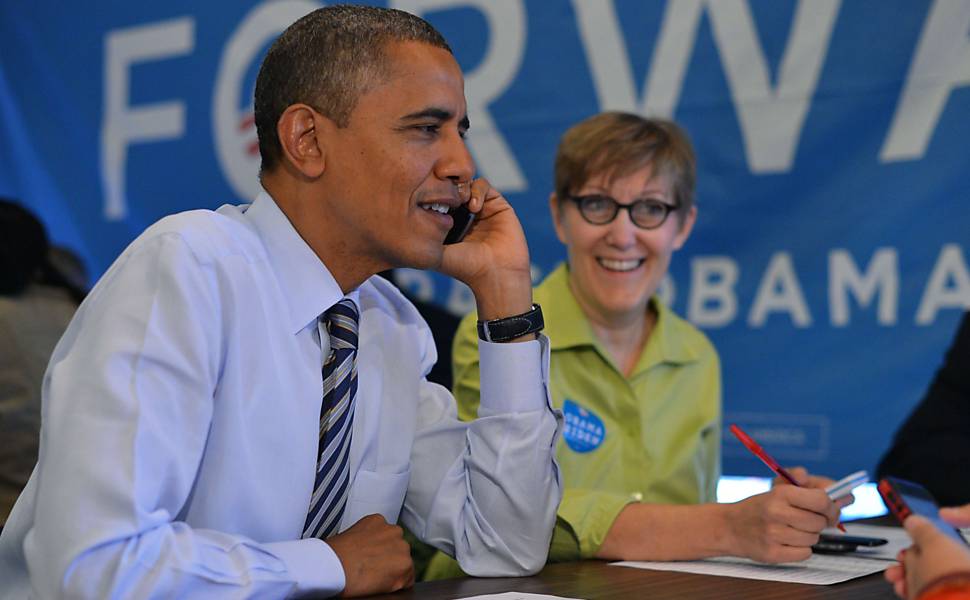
509,328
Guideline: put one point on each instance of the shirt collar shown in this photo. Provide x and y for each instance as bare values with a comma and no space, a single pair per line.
567,325
672,341
307,285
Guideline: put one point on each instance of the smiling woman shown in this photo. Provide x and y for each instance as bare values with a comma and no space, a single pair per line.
640,388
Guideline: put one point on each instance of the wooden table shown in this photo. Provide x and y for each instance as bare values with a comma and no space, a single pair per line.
596,579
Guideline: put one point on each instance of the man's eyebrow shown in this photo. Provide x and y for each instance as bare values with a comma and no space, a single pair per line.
439,114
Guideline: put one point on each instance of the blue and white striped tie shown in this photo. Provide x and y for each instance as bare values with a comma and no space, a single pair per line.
336,423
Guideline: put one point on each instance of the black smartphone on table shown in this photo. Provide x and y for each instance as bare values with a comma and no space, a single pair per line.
906,498
838,544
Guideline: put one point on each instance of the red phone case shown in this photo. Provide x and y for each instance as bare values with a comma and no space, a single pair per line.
895,503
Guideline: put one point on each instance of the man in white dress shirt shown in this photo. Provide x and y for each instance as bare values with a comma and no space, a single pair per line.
182,408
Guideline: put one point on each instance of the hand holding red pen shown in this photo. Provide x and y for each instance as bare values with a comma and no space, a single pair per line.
772,464
781,525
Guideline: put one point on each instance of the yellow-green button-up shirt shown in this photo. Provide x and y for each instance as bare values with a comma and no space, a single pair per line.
652,436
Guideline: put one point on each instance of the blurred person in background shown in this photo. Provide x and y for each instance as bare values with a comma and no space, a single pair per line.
932,447
37,302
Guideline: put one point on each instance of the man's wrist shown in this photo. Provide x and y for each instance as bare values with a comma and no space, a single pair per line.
498,297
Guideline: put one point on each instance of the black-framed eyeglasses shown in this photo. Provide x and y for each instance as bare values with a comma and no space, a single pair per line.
600,209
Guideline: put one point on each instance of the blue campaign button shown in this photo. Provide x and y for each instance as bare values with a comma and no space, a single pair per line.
583,430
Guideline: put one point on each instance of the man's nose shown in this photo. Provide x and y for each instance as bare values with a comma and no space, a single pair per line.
456,163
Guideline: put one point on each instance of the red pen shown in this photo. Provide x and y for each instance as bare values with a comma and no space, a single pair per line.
758,451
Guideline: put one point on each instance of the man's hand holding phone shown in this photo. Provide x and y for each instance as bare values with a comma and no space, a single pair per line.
493,257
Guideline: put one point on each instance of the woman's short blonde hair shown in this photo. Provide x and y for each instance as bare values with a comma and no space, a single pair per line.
617,144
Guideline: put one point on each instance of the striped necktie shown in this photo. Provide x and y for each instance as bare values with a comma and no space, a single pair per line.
336,422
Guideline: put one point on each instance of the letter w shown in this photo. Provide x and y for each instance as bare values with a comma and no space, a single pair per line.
771,118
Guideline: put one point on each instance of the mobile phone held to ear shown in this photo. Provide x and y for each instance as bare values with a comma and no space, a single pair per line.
463,219
839,544
906,498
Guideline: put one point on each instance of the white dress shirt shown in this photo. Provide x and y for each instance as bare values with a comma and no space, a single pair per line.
180,428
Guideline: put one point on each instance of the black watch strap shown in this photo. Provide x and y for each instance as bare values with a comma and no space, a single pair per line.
509,328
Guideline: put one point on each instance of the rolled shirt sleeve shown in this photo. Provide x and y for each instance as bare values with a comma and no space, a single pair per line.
584,516
486,491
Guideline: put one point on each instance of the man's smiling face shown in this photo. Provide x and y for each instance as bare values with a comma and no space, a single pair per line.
391,172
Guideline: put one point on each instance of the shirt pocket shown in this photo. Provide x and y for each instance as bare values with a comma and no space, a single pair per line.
377,493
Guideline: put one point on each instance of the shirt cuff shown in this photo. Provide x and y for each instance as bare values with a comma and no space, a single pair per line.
313,564
513,376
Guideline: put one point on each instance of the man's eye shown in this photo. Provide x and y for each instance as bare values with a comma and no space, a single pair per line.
428,129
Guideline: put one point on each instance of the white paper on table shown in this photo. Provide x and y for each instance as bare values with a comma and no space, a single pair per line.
516,596
820,569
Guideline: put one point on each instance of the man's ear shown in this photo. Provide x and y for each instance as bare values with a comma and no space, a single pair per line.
300,132
555,209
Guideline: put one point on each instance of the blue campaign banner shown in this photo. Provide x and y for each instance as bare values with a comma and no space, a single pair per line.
829,262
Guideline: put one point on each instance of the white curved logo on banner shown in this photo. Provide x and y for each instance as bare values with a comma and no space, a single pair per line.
233,129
